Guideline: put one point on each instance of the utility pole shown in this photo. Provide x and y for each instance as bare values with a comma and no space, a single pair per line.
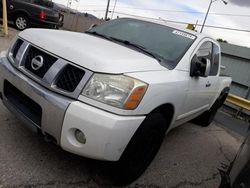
113,10
107,10
5,20
211,1
206,15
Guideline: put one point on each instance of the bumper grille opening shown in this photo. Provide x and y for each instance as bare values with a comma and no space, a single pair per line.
23,103
48,61
16,47
69,78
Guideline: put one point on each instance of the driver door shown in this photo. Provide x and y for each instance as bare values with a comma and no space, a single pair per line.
198,94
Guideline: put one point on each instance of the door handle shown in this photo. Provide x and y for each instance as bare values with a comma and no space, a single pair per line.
208,84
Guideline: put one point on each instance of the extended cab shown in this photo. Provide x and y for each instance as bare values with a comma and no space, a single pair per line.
27,13
113,92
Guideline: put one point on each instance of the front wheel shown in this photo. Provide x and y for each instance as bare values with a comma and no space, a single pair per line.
141,150
21,22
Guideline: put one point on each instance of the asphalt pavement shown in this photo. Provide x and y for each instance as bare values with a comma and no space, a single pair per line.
189,157
5,41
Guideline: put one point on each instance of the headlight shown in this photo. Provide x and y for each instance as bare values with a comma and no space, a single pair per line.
115,90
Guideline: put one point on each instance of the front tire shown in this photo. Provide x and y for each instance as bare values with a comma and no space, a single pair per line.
21,22
141,150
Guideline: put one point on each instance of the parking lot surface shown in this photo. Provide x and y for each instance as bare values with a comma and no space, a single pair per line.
5,41
189,157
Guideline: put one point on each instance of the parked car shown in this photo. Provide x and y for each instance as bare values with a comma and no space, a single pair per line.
114,92
27,13
238,174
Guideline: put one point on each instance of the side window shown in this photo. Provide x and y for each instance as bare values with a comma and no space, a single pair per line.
215,60
205,51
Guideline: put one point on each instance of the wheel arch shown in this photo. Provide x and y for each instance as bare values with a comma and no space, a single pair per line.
168,111
20,12
225,90
223,95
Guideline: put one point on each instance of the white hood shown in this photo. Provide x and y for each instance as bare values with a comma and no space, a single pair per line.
94,53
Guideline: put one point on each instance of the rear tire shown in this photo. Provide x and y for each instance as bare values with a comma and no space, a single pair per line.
21,22
206,118
141,150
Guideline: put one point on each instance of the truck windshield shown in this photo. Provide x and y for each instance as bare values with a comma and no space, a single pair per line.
168,43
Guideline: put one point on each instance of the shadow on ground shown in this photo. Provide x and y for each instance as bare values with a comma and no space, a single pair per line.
189,157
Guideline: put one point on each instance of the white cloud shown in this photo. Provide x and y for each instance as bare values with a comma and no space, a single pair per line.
97,7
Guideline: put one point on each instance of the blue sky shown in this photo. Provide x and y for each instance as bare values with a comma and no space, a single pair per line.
135,7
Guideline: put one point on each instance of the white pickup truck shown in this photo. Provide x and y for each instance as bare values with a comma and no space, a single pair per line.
113,92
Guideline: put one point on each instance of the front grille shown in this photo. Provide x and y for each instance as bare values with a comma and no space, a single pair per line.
48,70
23,103
16,47
48,61
69,78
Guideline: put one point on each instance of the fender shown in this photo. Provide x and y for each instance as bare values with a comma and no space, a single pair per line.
19,12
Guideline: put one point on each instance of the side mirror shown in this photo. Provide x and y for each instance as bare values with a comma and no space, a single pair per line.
200,67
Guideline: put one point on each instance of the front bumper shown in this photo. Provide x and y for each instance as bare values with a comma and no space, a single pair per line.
107,134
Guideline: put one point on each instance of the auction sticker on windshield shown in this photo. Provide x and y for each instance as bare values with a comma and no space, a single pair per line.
183,34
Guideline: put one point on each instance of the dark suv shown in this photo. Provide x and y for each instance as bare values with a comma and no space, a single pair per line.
26,13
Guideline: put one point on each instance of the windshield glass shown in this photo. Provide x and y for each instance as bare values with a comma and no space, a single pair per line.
168,43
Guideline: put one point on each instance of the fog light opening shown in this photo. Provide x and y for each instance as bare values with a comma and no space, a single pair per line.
80,137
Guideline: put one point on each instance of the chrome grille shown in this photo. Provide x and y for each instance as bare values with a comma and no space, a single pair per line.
16,47
70,78
48,61
56,74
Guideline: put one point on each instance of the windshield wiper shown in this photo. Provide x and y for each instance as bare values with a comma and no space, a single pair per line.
137,46
98,34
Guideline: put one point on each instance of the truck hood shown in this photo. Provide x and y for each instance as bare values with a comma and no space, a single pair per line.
91,52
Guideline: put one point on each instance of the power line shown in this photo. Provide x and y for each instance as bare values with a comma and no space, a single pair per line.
185,23
176,11
174,21
216,14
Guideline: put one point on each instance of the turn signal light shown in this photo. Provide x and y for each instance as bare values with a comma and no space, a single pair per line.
135,98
